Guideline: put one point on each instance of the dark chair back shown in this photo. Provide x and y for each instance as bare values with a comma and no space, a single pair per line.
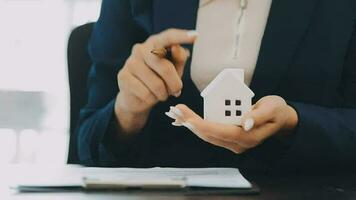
79,64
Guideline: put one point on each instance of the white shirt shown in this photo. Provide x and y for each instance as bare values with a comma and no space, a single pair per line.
215,48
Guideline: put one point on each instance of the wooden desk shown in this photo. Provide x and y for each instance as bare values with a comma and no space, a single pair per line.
342,186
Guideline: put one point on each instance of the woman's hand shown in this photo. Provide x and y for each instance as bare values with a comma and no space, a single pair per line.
147,79
269,116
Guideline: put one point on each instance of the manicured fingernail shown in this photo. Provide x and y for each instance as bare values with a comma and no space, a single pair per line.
249,123
187,52
177,124
176,111
171,115
189,126
177,94
192,33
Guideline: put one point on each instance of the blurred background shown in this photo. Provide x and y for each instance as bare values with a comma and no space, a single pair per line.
34,91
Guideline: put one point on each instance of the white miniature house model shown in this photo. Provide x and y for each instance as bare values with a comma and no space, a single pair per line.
227,98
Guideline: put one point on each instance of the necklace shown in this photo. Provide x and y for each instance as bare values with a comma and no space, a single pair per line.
243,8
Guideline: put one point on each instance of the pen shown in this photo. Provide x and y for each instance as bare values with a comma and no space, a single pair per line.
162,52
166,53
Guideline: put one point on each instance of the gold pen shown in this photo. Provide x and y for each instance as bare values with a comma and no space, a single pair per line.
166,53
162,52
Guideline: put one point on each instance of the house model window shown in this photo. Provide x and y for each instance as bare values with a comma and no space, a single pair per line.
227,98
229,108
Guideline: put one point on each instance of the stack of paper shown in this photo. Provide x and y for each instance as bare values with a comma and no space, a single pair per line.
170,177
123,178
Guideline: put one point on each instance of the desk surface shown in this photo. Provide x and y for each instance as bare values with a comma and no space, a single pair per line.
342,186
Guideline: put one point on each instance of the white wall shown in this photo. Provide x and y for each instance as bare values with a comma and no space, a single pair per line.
33,40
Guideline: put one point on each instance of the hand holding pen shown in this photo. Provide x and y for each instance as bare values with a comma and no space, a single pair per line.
150,75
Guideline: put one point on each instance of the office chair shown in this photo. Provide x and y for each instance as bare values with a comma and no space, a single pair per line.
79,64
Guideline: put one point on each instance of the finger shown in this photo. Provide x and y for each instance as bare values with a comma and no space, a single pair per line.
150,79
224,132
166,71
172,37
192,121
259,115
140,90
180,56
227,133
162,67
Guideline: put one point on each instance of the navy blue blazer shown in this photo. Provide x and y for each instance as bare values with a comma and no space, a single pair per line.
308,56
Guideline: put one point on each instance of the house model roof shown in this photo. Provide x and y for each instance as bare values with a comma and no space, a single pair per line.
235,74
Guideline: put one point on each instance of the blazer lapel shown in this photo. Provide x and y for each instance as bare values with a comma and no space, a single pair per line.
180,14
287,24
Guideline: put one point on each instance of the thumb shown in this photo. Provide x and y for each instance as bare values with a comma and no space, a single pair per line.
258,116
180,56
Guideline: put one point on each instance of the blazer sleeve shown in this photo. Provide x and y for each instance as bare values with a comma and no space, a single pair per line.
325,137
113,36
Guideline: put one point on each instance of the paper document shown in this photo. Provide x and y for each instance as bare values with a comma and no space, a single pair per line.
122,178
179,177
